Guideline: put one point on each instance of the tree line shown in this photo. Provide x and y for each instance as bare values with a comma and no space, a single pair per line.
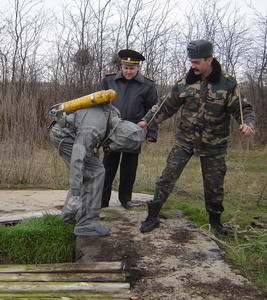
50,57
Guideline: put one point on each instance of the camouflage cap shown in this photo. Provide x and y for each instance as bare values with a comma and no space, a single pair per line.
199,49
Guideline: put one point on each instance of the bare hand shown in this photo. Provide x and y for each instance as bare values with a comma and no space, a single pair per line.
143,125
246,130
151,139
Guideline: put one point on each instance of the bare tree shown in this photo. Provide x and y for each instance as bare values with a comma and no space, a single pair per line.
103,19
256,73
129,14
23,38
82,46
88,35
154,34
21,67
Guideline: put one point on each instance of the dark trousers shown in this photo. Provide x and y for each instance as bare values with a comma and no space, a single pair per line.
128,165
213,172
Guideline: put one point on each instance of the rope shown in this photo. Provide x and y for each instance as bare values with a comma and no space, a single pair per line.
113,129
153,117
108,133
58,148
240,105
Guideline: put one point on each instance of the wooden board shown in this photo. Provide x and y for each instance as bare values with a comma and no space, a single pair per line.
66,295
63,267
95,280
66,277
62,286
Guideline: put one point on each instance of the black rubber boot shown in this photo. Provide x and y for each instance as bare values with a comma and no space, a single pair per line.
215,223
152,219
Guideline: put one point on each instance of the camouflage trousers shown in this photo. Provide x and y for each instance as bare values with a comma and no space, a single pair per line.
213,173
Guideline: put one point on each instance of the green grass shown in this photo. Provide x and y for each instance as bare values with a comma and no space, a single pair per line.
110,215
37,240
247,249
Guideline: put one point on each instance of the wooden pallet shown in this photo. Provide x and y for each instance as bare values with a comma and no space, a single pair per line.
96,280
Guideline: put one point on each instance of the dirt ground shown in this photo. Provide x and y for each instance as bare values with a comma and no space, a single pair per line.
175,261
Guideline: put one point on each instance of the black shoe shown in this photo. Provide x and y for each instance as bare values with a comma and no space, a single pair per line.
215,223
152,219
149,224
128,205
220,229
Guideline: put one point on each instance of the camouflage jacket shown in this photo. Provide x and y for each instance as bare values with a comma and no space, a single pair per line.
206,108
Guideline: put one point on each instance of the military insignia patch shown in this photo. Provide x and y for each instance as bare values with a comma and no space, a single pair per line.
149,78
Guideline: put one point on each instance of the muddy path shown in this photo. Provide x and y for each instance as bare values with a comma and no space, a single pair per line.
175,261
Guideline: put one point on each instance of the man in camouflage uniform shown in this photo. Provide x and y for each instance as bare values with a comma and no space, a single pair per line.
207,97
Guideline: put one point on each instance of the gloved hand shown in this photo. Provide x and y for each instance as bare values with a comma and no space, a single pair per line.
61,119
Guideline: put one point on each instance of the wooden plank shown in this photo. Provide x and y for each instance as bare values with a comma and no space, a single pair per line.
70,295
63,286
92,277
94,267
95,280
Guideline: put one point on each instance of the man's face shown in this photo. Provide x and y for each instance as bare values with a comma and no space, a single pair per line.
201,66
129,72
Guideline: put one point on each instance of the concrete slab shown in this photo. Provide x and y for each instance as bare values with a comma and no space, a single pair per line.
18,204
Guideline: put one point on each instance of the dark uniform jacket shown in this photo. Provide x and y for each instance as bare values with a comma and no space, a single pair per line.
206,107
134,97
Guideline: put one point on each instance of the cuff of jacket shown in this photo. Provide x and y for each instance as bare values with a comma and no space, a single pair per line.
251,125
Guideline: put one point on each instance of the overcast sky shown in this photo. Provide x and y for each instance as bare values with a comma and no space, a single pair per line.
260,5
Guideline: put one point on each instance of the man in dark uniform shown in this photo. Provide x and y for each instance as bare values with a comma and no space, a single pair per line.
136,94
207,97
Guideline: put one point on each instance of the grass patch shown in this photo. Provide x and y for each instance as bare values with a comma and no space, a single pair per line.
37,240
110,215
247,249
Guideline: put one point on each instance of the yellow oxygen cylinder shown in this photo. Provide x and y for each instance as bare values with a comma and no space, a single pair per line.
84,102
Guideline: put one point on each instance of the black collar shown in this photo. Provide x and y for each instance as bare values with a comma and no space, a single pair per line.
214,76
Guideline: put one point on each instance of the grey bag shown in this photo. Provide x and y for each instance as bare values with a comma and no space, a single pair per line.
124,135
